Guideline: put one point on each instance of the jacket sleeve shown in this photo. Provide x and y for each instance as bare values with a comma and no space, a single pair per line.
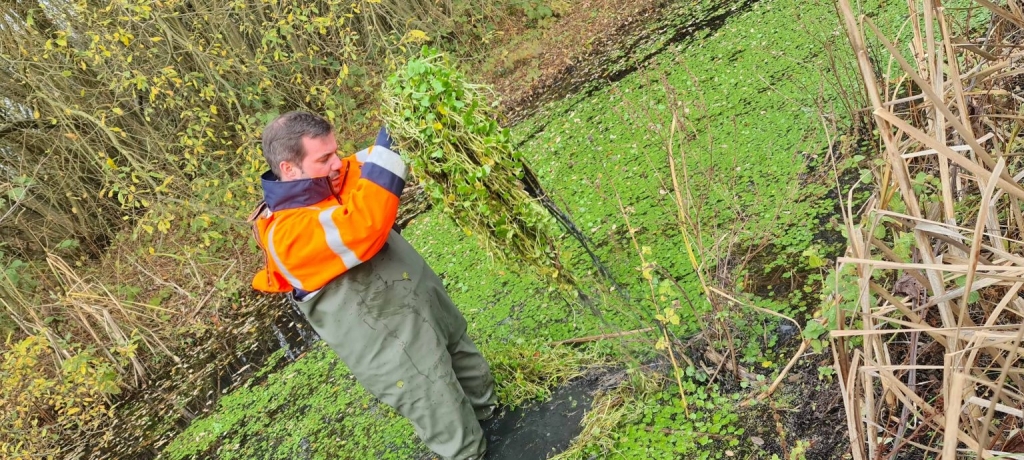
384,139
368,209
269,281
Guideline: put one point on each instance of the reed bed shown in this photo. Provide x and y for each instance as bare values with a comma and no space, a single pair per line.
929,352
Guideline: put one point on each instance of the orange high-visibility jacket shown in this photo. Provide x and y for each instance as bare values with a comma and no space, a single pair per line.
311,233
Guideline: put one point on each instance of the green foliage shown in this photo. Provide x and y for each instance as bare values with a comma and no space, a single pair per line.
651,423
155,109
311,409
448,129
541,11
13,274
41,408
131,117
336,417
526,371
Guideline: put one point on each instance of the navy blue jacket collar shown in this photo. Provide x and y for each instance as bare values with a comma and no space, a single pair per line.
292,194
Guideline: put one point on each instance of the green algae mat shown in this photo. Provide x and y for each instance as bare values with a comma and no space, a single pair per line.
758,102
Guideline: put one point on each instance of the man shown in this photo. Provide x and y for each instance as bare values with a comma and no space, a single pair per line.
326,229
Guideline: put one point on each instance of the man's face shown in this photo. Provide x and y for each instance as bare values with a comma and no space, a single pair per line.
321,160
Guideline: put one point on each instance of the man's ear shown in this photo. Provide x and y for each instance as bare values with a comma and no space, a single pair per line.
289,171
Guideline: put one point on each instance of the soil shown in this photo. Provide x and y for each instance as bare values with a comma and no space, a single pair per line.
595,40
804,409
560,60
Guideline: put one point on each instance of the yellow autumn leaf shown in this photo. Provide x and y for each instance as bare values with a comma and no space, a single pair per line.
416,36
111,164
673,318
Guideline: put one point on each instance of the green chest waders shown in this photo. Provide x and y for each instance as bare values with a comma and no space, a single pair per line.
392,323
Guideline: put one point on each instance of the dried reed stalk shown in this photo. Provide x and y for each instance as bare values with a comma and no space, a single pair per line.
109,324
929,358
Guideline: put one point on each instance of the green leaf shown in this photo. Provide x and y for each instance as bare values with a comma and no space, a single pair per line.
866,176
814,260
814,330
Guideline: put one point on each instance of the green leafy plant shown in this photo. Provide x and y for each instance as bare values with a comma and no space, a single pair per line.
528,371
42,407
448,128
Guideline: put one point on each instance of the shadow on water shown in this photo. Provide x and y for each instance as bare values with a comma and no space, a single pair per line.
287,330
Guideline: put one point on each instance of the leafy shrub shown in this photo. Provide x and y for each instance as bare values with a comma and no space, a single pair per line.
41,407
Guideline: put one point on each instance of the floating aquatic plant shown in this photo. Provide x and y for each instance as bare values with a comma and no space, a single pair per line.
447,128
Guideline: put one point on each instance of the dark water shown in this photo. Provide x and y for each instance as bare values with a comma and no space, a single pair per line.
540,430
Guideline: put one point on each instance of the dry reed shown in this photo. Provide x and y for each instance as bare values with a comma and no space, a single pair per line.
930,356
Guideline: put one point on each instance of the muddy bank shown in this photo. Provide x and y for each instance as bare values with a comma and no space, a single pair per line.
607,48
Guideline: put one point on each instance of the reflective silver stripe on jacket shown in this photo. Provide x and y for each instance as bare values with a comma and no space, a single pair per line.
334,241
277,260
388,160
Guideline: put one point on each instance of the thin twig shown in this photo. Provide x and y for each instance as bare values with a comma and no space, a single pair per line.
595,338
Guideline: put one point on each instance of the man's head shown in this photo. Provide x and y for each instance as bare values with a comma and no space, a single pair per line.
300,145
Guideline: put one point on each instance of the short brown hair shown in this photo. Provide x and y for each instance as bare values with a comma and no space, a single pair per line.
282,138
